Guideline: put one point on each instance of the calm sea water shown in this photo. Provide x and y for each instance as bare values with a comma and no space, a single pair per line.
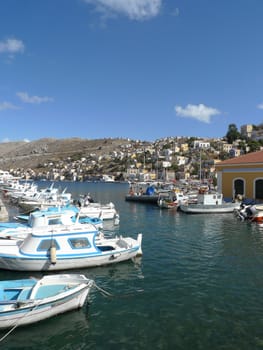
198,285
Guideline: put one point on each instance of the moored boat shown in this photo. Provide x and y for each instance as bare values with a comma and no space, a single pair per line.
27,301
62,247
209,203
167,200
143,194
53,217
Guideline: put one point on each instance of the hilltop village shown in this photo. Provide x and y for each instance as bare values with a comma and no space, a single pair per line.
170,158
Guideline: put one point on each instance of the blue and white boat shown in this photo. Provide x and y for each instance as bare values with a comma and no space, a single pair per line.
41,218
63,247
31,300
70,211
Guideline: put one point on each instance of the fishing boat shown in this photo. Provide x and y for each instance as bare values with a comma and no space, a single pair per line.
167,200
209,203
172,199
63,247
27,301
102,211
50,218
44,199
94,209
72,212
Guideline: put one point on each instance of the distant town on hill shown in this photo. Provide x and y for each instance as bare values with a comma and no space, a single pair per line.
119,159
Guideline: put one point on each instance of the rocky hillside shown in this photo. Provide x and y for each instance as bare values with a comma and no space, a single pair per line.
31,154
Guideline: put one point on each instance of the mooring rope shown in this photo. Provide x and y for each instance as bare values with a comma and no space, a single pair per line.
104,292
17,323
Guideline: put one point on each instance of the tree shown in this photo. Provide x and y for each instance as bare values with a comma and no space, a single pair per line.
223,155
242,146
232,133
253,145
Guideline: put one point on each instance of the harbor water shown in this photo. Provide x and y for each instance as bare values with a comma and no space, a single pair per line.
198,285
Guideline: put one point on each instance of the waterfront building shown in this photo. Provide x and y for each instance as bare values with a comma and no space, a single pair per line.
241,176
201,144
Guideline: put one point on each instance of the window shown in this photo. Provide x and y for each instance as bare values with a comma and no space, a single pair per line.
79,243
239,187
46,244
259,189
54,221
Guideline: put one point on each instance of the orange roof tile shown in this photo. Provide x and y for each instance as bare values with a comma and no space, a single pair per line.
254,157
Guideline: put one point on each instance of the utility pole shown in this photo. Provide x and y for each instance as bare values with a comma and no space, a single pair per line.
200,169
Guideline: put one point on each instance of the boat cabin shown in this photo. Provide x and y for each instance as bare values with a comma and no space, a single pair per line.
210,198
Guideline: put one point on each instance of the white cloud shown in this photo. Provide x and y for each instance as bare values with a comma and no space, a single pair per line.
33,99
134,9
199,112
7,105
6,139
260,106
12,46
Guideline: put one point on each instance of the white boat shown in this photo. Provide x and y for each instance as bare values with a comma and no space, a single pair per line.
102,211
63,247
24,189
95,209
44,199
27,301
5,176
58,215
167,200
209,203
50,218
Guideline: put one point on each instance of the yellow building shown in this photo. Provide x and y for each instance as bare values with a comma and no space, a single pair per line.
241,176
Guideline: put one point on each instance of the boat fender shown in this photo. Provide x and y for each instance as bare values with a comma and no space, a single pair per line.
139,240
53,255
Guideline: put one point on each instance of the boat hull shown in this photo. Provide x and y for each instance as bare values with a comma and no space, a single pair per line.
152,199
35,310
208,209
27,263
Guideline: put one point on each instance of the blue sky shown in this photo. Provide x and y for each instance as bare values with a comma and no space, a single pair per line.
139,69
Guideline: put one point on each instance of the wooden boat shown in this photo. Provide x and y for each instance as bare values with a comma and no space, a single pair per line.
209,203
31,300
62,247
